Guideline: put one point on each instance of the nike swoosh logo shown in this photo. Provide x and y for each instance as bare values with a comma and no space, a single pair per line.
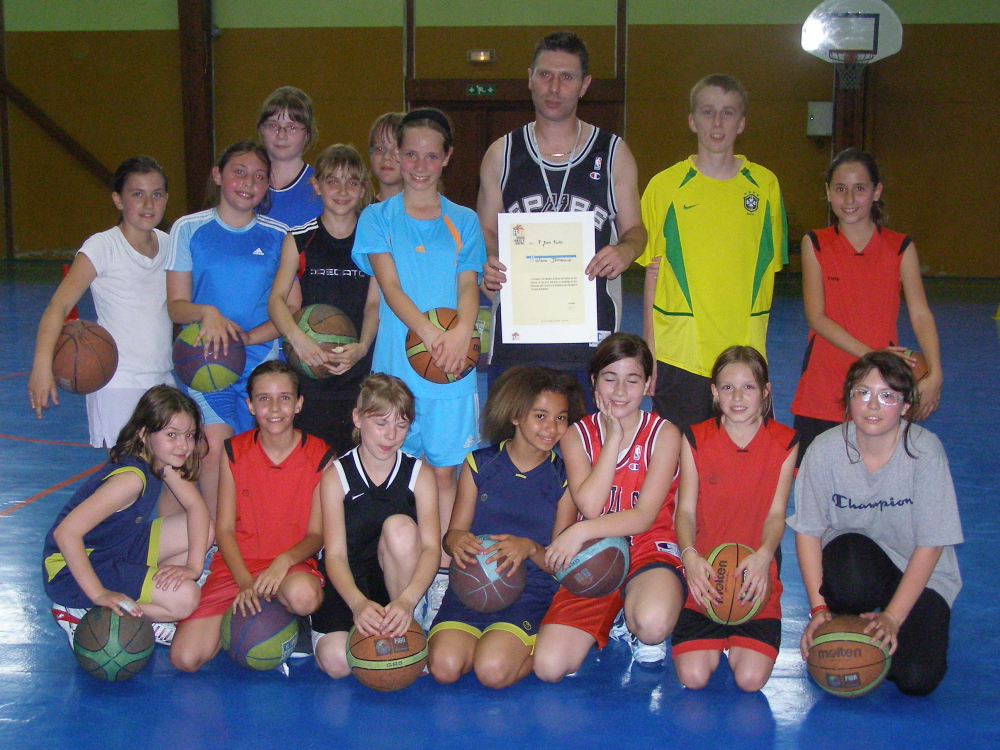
686,207
355,497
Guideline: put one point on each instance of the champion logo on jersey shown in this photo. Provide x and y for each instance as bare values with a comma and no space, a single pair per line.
633,467
258,251
751,202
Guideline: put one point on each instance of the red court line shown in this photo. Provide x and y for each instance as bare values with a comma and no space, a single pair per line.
50,490
47,442
15,375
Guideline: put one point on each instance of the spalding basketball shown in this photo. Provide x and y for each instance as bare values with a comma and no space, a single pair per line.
478,585
421,360
387,662
724,560
329,327
598,569
206,373
843,660
85,357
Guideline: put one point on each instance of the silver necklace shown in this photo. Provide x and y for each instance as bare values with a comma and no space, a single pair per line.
564,167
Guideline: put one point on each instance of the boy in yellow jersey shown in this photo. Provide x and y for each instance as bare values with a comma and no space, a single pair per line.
716,236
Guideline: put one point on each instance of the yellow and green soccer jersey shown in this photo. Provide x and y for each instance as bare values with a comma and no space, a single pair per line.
720,243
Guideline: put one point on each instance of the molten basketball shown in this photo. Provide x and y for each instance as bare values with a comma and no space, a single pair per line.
260,641
386,662
421,360
112,648
85,357
598,568
329,327
724,560
478,585
206,373
843,660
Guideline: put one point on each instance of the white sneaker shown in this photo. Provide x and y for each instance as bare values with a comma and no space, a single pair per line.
163,632
431,602
68,618
646,653
619,630
303,641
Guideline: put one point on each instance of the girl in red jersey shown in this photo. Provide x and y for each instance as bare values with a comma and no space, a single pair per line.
736,473
852,273
621,464
269,524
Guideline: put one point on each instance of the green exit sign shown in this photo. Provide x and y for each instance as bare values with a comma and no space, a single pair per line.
481,89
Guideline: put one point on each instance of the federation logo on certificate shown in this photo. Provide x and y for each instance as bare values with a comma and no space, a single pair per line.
548,298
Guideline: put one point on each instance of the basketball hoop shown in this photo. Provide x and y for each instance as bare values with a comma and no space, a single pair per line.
850,66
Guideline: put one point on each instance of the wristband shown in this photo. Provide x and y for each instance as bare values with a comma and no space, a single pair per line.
681,558
817,609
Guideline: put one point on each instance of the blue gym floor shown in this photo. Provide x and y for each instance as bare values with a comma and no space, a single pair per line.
46,700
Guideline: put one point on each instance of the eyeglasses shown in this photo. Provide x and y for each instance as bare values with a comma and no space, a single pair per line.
886,398
276,129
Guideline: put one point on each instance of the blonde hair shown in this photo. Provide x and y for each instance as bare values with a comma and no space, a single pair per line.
383,394
340,156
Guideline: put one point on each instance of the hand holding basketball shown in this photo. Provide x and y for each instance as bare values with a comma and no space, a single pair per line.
118,603
699,574
449,350
216,331
806,642
398,614
267,583
247,602
509,552
463,547
883,627
368,618
564,548
758,574
343,360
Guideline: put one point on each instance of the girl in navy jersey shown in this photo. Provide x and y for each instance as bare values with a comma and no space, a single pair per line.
852,274
220,270
320,252
515,491
380,527
622,466
736,473
108,548
287,129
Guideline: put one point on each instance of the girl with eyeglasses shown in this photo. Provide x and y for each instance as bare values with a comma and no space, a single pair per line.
286,128
876,521
852,275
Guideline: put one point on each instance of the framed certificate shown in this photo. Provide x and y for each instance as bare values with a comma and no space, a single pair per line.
548,298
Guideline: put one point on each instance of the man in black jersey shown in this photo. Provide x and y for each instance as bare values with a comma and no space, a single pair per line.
560,163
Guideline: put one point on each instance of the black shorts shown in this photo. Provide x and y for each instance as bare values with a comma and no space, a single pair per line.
682,397
330,421
334,615
697,632
808,429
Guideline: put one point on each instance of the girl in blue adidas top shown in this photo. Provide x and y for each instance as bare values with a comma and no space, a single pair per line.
219,273
515,491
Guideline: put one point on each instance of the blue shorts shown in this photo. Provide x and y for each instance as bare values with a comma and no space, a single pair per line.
130,572
522,618
444,430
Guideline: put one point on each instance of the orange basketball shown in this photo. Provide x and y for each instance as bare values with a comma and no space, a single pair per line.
86,357
843,660
421,360
385,662
732,610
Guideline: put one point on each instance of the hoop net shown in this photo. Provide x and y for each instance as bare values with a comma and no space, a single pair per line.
850,66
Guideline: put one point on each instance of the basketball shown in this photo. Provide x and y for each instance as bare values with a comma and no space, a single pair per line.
329,327
206,373
260,641
421,360
85,357
843,660
598,568
385,662
112,648
724,559
480,588
920,368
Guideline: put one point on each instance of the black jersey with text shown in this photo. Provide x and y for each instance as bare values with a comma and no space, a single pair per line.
328,276
589,187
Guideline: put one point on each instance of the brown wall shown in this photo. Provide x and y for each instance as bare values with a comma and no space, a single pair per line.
933,112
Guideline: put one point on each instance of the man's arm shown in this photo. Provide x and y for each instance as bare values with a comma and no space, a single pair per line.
612,260
488,205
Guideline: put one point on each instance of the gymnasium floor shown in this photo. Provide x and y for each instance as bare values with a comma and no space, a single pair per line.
46,701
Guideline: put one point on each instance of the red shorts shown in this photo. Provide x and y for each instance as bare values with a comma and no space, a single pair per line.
596,615
220,588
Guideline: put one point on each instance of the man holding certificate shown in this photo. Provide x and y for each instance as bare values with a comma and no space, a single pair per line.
538,186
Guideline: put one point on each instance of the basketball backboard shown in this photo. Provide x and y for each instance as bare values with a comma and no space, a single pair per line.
867,29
